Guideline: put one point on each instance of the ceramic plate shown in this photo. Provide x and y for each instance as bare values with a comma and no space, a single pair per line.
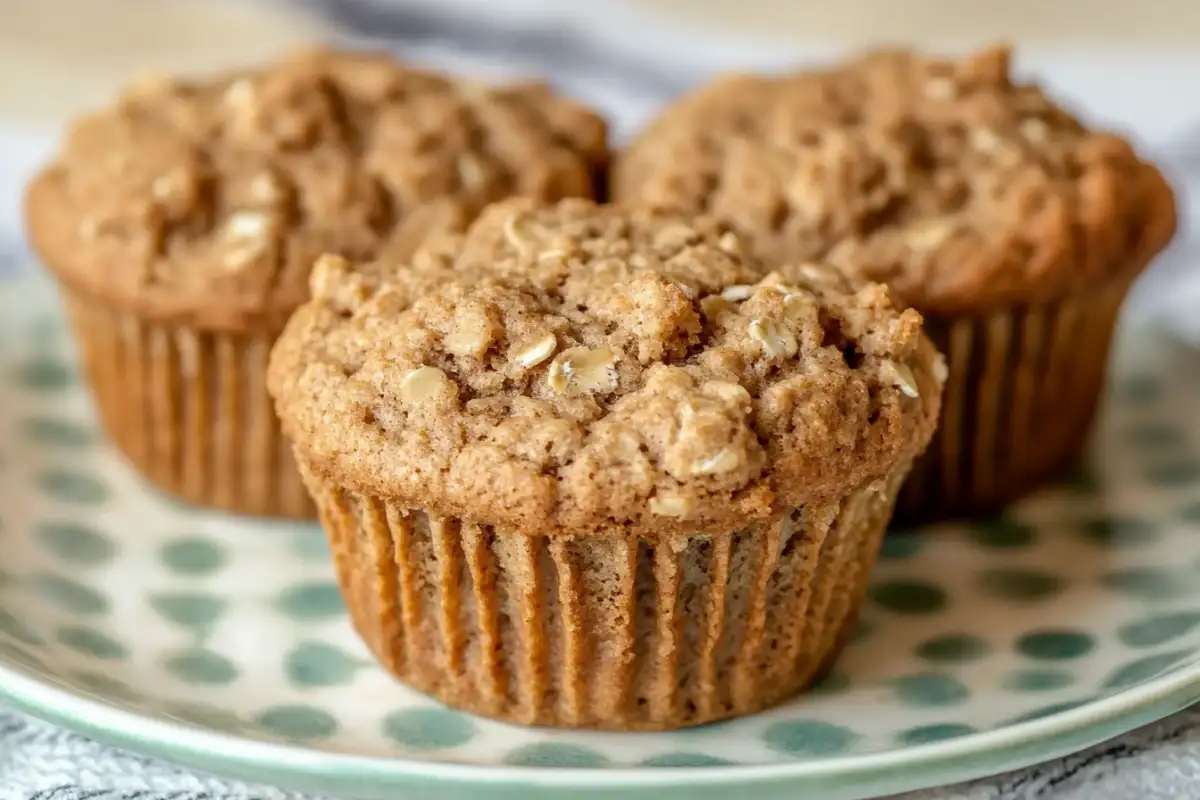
221,643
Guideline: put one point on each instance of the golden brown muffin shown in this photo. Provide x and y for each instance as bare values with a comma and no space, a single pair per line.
1015,230
182,223
590,468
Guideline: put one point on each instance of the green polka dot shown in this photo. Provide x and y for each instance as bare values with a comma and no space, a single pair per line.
833,683
1055,645
555,754
312,601
1158,629
205,716
952,648
899,545
43,375
930,689
22,657
862,629
938,732
297,722
1082,481
428,728
105,687
1003,534
1020,585
1119,532
192,556
14,628
686,760
1149,583
909,596
320,664
1174,473
195,611
1145,668
58,432
804,737
311,545
198,666
76,543
1038,680
91,642
1050,710
1153,435
70,486
69,595
1139,389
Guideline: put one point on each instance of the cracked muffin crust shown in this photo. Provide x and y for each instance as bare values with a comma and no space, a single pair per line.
206,202
1011,226
182,223
582,369
958,186
590,467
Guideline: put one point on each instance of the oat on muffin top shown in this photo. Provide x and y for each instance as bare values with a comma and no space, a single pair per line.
585,368
208,200
951,181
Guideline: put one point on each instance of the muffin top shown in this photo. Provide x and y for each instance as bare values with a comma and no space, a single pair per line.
580,368
956,185
207,202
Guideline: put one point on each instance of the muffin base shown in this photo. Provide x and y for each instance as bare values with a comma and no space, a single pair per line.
601,632
1022,392
189,409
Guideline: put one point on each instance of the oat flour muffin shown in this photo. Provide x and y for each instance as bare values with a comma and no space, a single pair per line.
1011,227
183,221
609,475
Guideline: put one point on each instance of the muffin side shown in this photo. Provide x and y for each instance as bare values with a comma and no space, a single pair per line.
189,408
182,224
614,474
1015,230
600,631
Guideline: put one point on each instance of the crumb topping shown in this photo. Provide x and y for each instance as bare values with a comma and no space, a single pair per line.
580,366
949,180
215,196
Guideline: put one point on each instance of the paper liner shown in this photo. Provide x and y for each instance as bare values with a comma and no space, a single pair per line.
1022,392
598,631
190,410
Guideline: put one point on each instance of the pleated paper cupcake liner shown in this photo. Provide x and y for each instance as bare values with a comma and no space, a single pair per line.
1023,388
604,632
190,410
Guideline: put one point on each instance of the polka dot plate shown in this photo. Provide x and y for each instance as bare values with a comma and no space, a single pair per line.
222,644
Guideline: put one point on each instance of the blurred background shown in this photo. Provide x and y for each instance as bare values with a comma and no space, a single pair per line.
1133,66
1134,62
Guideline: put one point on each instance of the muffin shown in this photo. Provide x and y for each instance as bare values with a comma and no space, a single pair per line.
1014,230
592,468
182,223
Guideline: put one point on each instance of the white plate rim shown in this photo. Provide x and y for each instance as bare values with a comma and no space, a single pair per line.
966,757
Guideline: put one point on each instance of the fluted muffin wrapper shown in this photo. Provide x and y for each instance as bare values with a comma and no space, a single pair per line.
599,631
1022,392
189,409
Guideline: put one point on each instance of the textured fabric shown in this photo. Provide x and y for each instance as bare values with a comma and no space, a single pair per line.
40,761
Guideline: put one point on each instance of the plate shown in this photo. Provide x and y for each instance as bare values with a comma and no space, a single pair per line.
221,643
